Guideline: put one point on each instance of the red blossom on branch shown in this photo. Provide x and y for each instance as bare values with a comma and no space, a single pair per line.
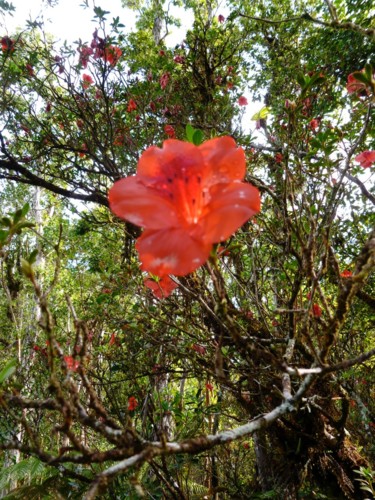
179,59
355,86
220,18
113,339
164,80
169,130
314,124
200,349
161,288
30,70
112,54
316,311
346,274
242,101
132,105
278,157
86,81
209,387
83,148
71,363
187,198
366,159
132,403
84,55
7,44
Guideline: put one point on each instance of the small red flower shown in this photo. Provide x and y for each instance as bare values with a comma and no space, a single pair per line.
220,18
278,157
7,44
169,130
314,124
366,159
200,349
316,311
161,288
86,81
84,55
242,101
112,54
113,340
179,59
164,80
71,363
132,105
222,251
290,104
355,86
132,403
119,140
209,387
187,198
30,70
346,274
83,148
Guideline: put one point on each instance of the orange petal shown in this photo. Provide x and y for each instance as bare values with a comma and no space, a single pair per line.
131,200
162,288
175,158
230,207
225,160
171,251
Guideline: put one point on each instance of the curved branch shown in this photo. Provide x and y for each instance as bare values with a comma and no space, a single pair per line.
348,25
34,180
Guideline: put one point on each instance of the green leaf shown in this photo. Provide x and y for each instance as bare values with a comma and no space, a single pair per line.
17,216
361,77
198,137
5,221
369,71
301,80
23,225
100,13
262,114
26,268
25,209
189,131
8,370
32,256
6,6
3,235
315,79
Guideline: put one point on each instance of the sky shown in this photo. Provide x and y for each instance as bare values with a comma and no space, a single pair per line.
68,20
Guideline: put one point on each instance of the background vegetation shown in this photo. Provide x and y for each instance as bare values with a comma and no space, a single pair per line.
255,377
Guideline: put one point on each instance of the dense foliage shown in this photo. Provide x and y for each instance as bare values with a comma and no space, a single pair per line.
253,375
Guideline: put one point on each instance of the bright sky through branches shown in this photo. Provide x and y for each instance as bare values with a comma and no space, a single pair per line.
69,20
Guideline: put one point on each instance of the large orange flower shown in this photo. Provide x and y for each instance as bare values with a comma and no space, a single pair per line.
186,198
